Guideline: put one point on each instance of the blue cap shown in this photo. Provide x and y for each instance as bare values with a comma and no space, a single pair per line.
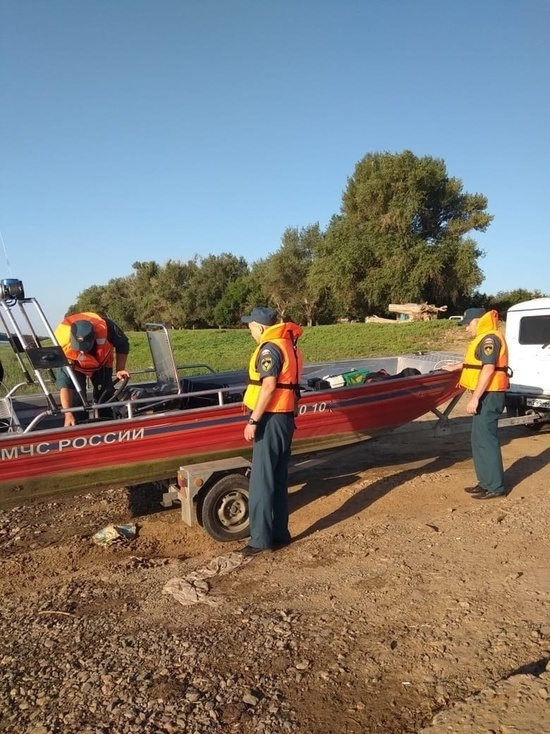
261,315
470,314
82,336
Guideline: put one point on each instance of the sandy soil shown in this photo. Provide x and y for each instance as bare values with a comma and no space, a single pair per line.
414,600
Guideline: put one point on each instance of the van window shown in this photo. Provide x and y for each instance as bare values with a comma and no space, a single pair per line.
534,329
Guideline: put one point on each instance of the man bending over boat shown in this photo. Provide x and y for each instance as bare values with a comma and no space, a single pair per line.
89,343
484,373
271,396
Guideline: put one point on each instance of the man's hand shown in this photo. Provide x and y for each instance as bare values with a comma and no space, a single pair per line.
487,372
452,367
122,375
66,400
249,432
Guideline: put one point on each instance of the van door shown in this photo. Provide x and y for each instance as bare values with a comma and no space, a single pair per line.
528,338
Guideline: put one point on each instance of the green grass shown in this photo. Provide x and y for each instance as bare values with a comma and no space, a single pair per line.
226,349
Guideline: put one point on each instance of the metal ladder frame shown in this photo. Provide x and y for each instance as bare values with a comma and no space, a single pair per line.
28,342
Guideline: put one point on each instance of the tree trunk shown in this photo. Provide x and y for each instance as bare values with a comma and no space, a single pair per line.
417,311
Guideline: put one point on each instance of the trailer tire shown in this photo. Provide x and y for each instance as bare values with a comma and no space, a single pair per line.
224,509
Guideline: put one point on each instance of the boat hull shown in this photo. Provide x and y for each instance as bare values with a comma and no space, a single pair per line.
152,447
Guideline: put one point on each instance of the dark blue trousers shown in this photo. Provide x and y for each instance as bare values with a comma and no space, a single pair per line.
486,451
268,500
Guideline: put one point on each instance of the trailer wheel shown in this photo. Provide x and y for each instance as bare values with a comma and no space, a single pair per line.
224,509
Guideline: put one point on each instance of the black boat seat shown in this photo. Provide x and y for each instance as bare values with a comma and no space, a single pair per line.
43,358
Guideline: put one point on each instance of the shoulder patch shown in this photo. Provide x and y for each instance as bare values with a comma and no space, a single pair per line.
266,363
266,350
488,347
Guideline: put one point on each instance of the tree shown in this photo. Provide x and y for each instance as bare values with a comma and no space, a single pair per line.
171,282
90,299
118,304
232,304
505,299
284,275
401,236
109,301
207,284
143,293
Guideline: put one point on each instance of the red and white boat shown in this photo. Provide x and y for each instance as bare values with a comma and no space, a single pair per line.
184,415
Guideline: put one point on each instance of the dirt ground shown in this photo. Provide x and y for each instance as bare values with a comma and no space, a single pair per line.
414,601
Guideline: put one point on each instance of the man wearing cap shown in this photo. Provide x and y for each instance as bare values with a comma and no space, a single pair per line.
485,373
89,342
271,397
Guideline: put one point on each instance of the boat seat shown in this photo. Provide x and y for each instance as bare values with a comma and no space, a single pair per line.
190,386
43,358
159,400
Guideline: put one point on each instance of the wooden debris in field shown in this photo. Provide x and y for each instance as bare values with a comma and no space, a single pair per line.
409,312
417,311
380,320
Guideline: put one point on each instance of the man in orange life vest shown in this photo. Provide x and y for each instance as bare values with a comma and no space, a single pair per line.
271,397
89,342
484,373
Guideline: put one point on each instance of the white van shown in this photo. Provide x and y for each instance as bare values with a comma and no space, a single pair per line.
528,338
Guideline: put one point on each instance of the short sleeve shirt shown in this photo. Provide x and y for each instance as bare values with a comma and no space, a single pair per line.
488,349
117,337
269,362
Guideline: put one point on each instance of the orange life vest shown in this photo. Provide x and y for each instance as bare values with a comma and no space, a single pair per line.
487,326
284,397
82,361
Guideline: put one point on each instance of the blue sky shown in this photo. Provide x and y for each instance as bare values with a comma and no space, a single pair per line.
161,129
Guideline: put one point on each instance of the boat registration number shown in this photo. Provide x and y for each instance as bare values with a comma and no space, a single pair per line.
312,408
538,402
